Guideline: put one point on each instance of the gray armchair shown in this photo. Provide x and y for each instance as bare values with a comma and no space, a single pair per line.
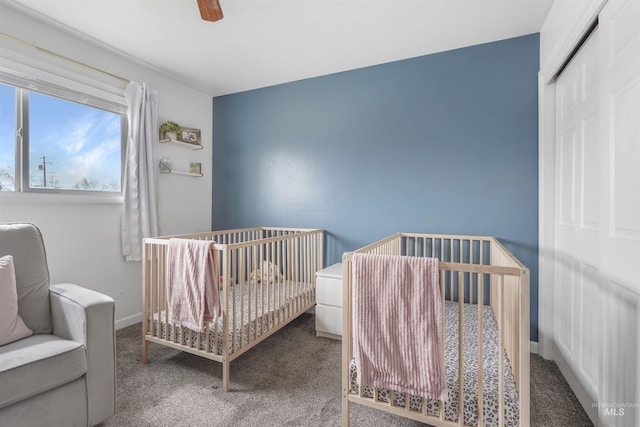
63,374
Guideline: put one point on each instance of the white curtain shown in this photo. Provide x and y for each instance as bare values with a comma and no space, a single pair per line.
140,212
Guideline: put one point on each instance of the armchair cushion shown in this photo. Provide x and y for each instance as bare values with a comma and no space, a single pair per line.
37,364
12,327
24,242
86,317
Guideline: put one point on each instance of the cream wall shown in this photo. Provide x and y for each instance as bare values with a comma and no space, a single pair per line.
82,234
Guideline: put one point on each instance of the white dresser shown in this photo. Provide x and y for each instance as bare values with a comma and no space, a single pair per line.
329,302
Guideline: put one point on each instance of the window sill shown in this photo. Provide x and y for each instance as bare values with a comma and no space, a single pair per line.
39,197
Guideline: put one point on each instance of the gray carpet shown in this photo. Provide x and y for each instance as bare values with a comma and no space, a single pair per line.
291,379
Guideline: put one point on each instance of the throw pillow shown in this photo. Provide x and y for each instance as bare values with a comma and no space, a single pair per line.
12,327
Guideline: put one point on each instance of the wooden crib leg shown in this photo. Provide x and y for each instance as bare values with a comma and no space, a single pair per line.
145,351
225,375
345,411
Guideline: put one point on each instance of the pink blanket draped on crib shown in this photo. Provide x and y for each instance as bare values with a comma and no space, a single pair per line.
193,296
397,324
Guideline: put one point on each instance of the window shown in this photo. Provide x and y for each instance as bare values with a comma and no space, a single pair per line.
7,138
55,144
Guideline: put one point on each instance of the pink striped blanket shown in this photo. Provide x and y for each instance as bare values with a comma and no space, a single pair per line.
193,295
397,324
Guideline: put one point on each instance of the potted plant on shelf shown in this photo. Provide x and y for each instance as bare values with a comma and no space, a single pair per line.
170,130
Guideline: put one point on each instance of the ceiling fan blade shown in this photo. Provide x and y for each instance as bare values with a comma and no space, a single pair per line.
210,10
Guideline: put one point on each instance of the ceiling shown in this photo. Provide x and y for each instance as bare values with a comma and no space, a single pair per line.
266,42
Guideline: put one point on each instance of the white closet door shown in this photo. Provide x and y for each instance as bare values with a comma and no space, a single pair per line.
579,190
620,237
597,218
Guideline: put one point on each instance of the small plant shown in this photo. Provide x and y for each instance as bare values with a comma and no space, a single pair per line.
170,127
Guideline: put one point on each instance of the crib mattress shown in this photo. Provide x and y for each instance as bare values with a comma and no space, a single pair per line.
257,308
470,377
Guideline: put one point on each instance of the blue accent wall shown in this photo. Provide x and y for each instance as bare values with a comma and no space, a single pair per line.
443,143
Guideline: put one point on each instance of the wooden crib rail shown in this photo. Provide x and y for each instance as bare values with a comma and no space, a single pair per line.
236,235
473,269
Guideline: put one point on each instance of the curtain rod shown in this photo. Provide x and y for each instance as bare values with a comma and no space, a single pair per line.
65,58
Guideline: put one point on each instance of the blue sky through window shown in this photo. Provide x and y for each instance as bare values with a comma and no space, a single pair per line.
77,146
81,145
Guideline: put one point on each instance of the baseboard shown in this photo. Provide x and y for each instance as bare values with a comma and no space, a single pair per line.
128,321
585,399
533,347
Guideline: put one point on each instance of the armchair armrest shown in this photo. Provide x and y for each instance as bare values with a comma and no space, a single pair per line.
87,316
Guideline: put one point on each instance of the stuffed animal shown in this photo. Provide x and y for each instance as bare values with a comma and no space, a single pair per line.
268,272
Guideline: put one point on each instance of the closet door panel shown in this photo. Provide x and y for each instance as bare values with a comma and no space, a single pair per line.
579,190
620,237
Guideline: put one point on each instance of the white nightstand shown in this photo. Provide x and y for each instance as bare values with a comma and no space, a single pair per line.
329,302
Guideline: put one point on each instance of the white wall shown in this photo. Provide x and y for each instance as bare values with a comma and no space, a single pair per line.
82,234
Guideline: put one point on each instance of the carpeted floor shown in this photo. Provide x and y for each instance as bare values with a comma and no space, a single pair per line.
290,379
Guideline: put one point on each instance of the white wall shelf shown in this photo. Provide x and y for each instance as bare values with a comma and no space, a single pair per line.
174,172
181,144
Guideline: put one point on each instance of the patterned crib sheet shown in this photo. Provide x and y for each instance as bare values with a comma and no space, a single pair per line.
257,309
470,377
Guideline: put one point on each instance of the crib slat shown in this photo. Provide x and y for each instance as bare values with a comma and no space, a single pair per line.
145,303
441,408
253,291
162,290
280,284
154,286
248,291
296,279
227,313
234,292
480,350
450,250
500,353
291,303
267,303
308,280
174,329
434,248
266,285
460,350
300,275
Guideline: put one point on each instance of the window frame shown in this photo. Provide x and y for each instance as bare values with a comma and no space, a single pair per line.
22,121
